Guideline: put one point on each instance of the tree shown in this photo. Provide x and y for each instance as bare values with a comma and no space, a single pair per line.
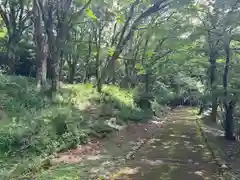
41,46
16,16
125,35
62,11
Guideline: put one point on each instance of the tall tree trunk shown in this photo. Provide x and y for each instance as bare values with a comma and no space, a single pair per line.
55,42
86,78
213,86
41,47
61,66
98,38
147,82
229,125
229,105
99,82
126,80
72,63
72,73
11,55
55,76
41,58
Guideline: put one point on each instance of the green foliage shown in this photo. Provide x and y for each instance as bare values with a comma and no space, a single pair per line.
39,125
89,13
176,47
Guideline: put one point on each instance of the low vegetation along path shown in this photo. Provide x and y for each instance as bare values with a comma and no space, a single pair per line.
168,149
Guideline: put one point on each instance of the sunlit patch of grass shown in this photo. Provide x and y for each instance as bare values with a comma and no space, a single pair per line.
80,92
123,172
124,96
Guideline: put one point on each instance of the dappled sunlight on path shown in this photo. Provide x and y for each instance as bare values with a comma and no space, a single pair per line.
165,149
176,152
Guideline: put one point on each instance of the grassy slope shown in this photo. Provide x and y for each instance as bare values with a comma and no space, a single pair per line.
35,125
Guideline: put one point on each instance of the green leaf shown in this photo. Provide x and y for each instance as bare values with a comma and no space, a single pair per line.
120,19
111,51
3,32
89,86
149,53
138,66
220,60
142,71
89,13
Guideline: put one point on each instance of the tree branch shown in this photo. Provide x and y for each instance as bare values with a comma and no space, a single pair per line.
79,13
4,17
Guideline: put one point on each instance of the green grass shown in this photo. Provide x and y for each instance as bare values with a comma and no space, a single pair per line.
37,125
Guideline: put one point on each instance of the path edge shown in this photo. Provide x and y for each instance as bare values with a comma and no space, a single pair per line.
216,153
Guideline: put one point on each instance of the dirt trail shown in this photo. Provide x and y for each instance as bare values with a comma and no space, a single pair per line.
173,150
176,152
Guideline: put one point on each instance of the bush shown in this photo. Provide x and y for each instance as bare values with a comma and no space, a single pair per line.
39,125
141,98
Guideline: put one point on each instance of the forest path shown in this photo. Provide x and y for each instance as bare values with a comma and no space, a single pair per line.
176,151
168,149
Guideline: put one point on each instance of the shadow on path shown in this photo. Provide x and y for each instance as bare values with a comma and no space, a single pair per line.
172,150
176,152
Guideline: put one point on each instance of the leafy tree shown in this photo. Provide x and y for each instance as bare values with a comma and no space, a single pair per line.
15,15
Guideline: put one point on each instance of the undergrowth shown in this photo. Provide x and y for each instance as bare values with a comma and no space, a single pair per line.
37,125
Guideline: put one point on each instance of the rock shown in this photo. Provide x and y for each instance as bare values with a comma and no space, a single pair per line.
113,124
224,166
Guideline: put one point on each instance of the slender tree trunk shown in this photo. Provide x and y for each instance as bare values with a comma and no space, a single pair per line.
99,82
229,106
98,38
44,67
56,71
213,86
41,75
147,82
11,55
72,63
61,66
86,78
229,125
72,73
41,47
127,78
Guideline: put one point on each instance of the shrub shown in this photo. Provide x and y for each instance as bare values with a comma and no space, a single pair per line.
39,125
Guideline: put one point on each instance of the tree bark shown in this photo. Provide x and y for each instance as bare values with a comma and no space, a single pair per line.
72,68
229,125
86,78
212,61
61,10
99,82
41,47
229,106
72,73
11,55
62,60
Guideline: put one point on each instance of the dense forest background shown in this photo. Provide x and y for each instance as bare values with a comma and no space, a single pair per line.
135,58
